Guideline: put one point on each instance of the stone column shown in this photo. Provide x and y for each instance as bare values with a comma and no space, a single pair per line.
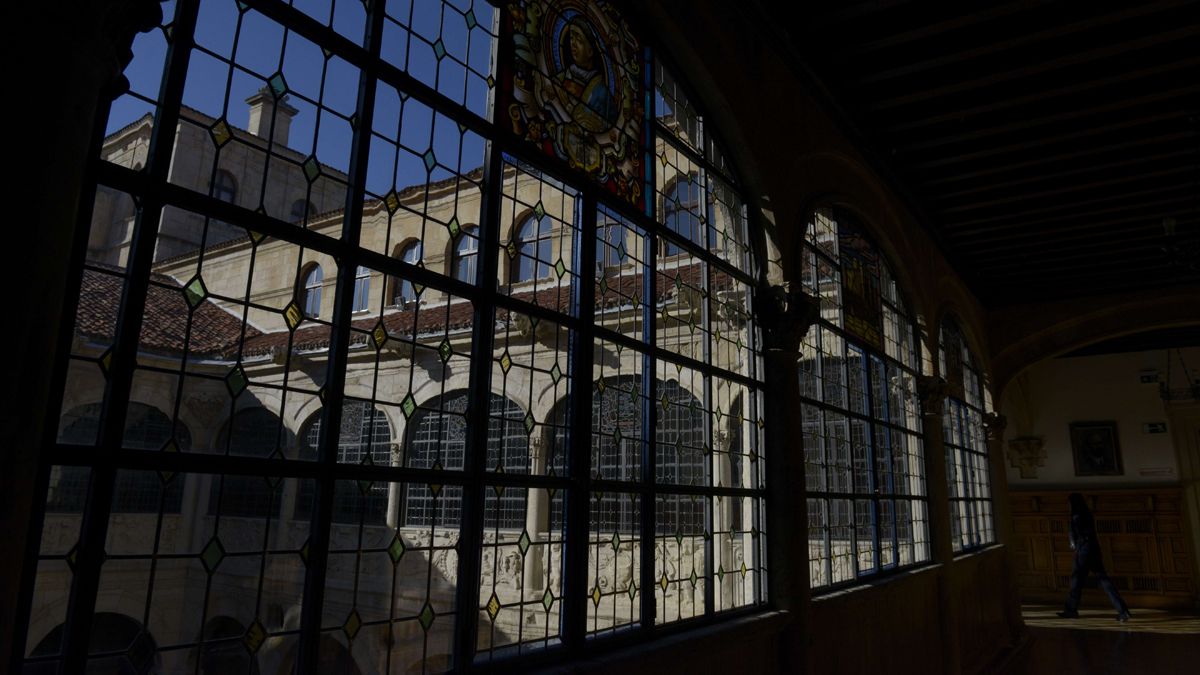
1183,420
785,315
932,391
994,425
69,72
537,521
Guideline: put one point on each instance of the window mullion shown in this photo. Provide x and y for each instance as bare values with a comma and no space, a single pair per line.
579,497
343,307
101,484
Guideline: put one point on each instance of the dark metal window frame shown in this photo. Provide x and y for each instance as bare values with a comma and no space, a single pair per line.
870,355
958,414
156,193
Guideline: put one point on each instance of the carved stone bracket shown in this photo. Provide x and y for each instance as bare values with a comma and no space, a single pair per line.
544,332
994,424
1026,454
785,315
932,391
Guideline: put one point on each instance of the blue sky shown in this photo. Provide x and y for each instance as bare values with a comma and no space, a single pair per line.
325,89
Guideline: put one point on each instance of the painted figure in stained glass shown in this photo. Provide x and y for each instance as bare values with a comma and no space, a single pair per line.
575,86
862,306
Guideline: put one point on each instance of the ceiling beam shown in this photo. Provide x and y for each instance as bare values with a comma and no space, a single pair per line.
1074,187
1077,58
1040,143
1033,122
1054,33
1041,97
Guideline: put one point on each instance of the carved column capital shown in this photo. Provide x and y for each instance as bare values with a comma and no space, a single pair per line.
785,315
932,391
1026,454
994,424
103,33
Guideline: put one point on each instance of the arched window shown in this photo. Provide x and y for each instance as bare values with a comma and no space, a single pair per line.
310,291
300,209
365,438
533,245
967,473
225,187
362,288
554,136
404,291
253,432
146,428
437,438
863,443
466,253
682,208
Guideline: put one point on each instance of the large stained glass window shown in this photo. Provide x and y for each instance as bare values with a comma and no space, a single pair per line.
863,443
553,437
967,472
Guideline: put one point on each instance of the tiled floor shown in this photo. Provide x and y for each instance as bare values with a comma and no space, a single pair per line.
1153,642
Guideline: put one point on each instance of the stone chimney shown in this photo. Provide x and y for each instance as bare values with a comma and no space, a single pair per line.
263,107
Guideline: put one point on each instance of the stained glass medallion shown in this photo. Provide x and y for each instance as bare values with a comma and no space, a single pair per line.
574,90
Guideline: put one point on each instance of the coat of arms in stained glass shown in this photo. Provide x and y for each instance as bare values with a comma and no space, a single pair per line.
575,89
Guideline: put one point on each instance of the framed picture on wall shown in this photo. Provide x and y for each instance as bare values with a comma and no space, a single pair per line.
1094,445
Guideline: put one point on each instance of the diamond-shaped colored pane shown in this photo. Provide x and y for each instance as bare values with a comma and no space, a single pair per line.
493,606
220,133
694,578
426,616
396,549
603,285
212,555
379,335
721,573
596,596
72,556
408,406
600,386
392,201
195,292
439,49
663,582
278,84
560,268
312,168
353,624
744,570
435,488
445,351
470,19
617,436
666,402
523,542
430,159
511,249
555,373
236,381
547,600
292,315
304,552
632,590
538,209
491,82
256,236
505,362
616,541
530,422
454,227
106,360
254,637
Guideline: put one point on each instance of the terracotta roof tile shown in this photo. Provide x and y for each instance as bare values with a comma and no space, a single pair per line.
165,322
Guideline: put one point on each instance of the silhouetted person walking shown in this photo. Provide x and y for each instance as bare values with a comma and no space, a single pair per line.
1088,559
